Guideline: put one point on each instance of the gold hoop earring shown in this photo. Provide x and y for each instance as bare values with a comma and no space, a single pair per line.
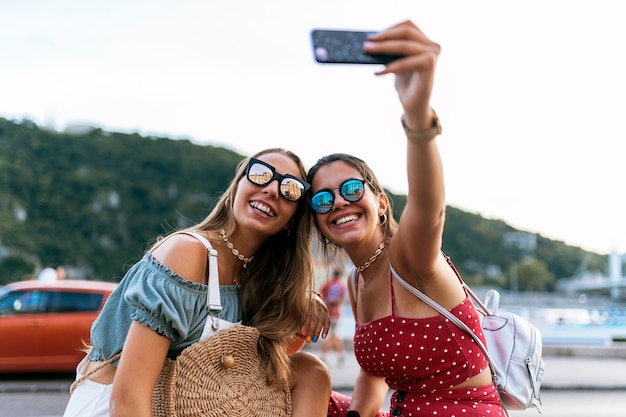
382,219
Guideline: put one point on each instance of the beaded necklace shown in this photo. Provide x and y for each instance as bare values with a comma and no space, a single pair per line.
235,252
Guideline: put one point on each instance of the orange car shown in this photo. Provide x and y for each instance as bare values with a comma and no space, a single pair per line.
43,325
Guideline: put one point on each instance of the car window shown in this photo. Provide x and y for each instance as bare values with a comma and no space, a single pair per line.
23,302
69,301
37,301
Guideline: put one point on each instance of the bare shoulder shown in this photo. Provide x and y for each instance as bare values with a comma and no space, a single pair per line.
185,255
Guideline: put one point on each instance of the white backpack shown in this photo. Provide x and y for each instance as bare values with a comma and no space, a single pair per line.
514,346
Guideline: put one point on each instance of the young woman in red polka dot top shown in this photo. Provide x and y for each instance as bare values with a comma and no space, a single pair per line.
434,368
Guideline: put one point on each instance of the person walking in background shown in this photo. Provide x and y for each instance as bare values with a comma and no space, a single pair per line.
400,342
261,231
50,274
334,292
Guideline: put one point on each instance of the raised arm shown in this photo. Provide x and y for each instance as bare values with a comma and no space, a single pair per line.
416,246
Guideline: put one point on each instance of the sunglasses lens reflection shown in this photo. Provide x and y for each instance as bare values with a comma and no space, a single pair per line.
352,190
259,174
291,189
322,202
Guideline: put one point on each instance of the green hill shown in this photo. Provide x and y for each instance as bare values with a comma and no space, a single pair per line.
93,201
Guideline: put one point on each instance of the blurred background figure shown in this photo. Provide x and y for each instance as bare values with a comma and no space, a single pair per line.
50,274
334,293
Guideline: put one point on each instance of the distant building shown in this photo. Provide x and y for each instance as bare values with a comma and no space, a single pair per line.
613,284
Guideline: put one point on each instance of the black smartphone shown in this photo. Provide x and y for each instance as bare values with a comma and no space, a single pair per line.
344,47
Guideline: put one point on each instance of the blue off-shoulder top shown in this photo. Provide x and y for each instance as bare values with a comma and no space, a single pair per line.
150,293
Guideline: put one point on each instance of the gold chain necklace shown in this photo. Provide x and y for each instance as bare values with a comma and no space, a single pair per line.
372,258
362,283
235,252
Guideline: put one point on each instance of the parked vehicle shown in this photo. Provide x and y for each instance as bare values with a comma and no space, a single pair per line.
44,325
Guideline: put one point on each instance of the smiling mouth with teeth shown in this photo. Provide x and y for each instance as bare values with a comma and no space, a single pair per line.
346,219
262,208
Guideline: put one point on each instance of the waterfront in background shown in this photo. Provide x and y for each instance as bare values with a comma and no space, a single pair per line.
571,319
562,320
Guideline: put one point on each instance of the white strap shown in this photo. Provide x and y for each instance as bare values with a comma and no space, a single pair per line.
442,311
213,296
455,319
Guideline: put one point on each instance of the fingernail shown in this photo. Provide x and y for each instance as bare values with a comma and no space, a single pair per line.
315,339
308,339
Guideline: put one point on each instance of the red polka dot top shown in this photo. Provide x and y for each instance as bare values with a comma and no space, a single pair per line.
420,355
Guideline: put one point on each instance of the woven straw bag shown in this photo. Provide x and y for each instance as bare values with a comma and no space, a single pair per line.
222,374
200,383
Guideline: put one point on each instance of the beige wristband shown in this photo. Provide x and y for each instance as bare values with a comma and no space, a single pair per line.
419,137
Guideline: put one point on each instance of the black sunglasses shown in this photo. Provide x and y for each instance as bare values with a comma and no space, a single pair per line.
290,188
351,190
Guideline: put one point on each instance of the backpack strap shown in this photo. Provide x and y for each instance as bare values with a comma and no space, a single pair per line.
213,295
213,301
439,308
483,309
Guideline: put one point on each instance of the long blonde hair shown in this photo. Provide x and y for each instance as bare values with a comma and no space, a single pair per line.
276,288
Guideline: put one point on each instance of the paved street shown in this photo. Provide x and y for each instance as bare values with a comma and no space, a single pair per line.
572,387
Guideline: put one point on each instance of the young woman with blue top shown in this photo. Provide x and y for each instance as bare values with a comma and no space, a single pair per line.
260,230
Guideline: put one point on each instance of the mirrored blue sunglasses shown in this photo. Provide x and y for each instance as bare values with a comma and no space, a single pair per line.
351,190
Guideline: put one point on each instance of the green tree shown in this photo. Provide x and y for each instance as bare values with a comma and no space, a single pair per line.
531,275
13,268
94,201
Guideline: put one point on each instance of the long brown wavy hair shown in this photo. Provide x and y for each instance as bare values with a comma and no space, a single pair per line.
277,286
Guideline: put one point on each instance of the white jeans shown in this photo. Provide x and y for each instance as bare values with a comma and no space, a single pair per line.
89,399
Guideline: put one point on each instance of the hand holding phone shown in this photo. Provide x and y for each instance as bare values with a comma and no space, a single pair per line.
344,47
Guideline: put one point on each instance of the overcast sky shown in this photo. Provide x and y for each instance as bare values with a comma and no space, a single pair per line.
531,94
